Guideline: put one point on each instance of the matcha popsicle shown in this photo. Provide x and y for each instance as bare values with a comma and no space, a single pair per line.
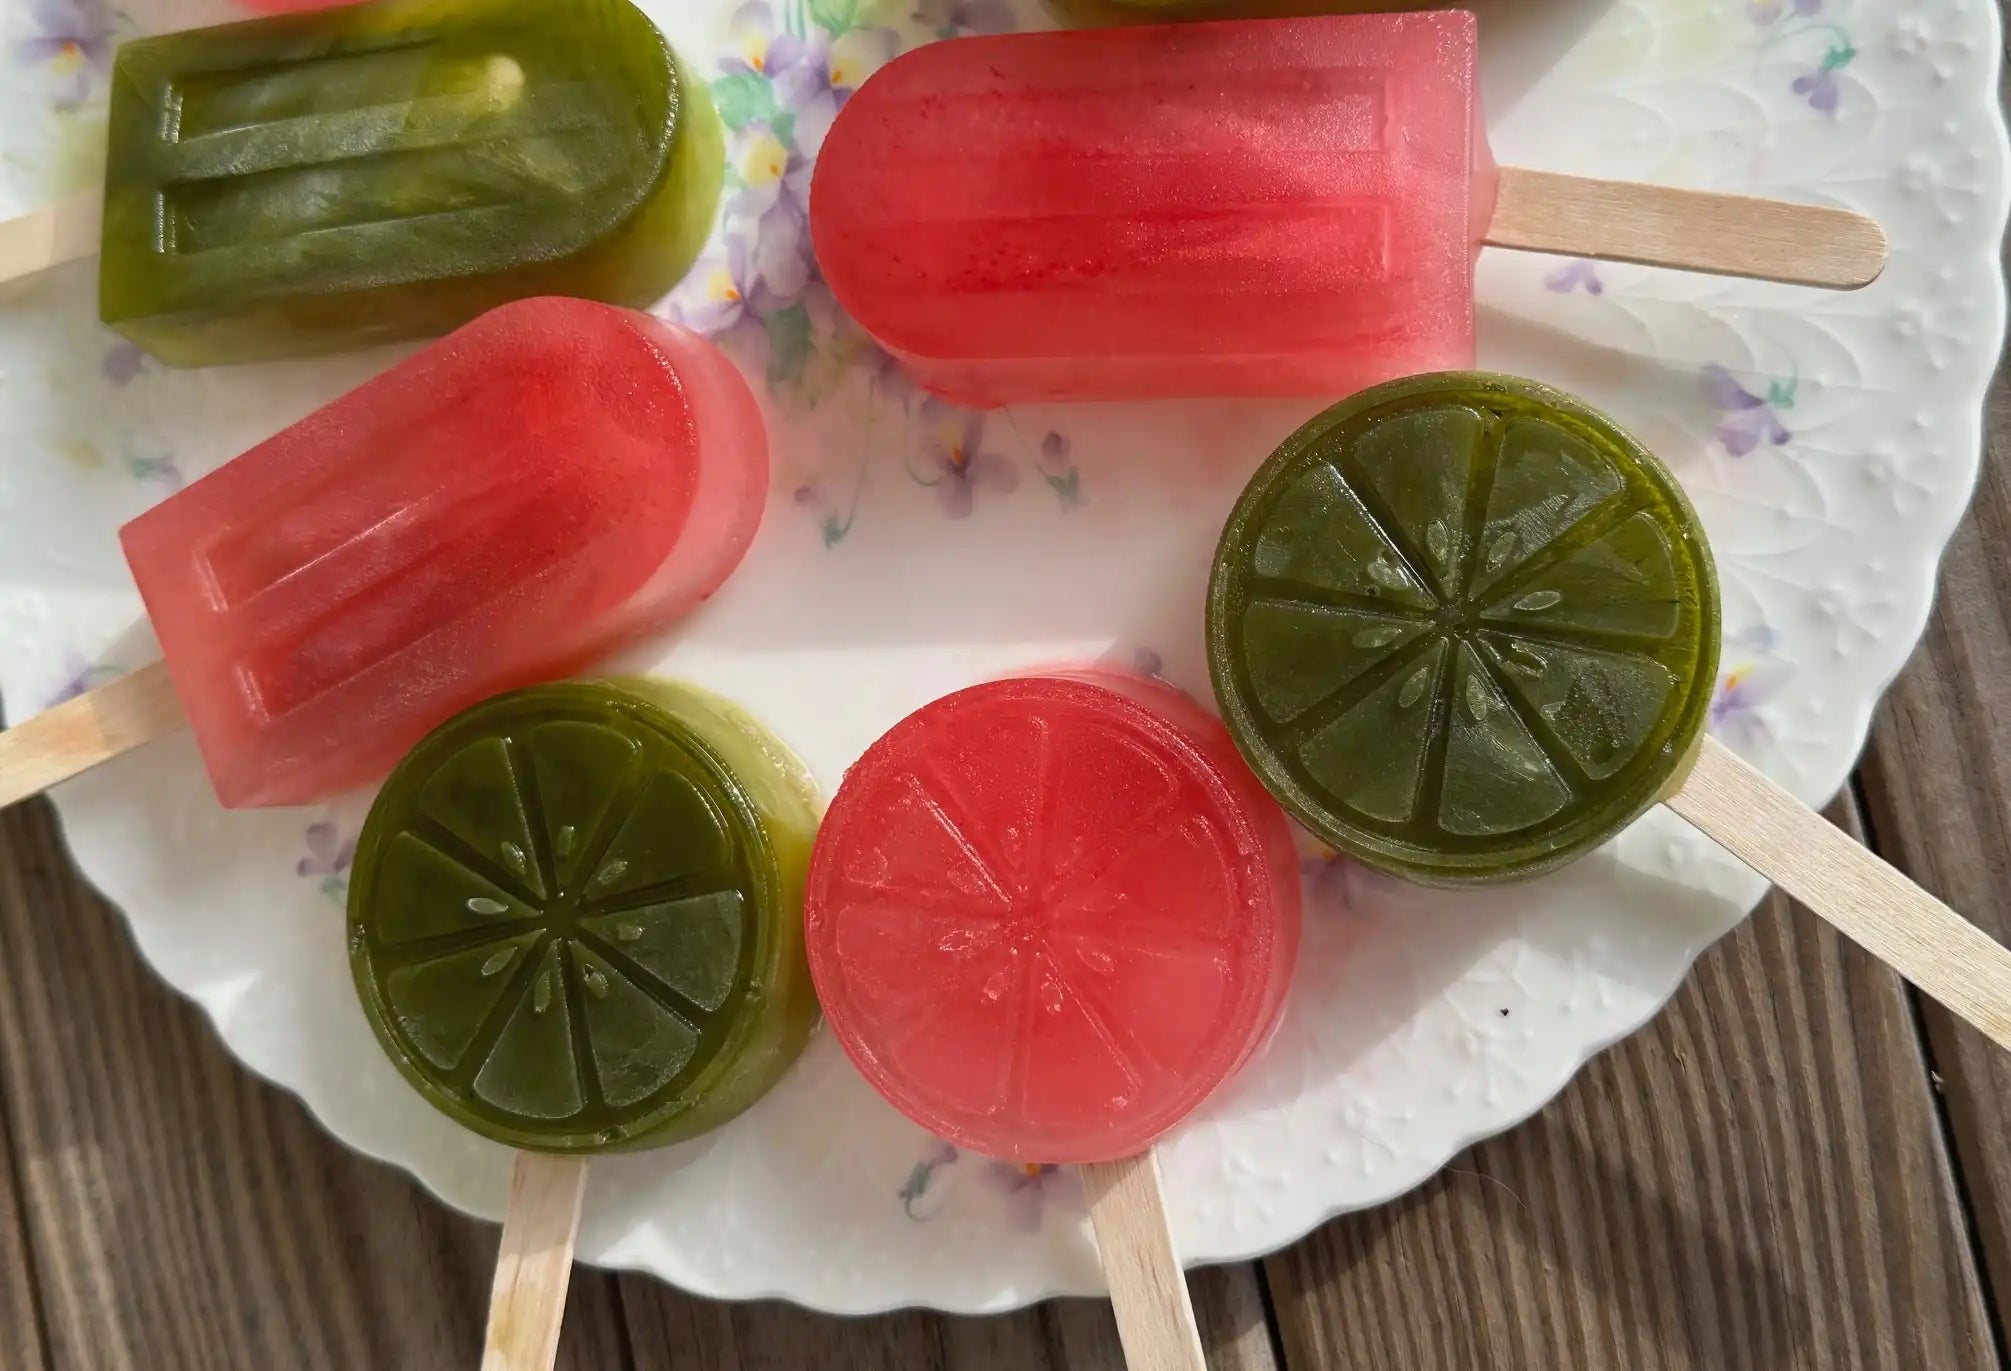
1466,629
310,182
576,925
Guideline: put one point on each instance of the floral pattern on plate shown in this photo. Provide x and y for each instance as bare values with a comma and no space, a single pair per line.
1829,443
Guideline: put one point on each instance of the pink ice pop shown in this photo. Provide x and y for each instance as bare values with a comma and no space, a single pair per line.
1048,916
528,493
1266,207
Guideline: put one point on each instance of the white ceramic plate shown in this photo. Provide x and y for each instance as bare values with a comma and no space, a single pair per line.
1829,441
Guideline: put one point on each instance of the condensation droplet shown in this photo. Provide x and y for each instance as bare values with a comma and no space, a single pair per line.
1552,710
500,960
596,983
1100,961
482,904
1539,600
541,998
1523,659
628,932
1438,542
1388,574
995,985
1500,550
1414,688
754,991
1378,637
1052,996
1477,703
513,858
611,873
564,841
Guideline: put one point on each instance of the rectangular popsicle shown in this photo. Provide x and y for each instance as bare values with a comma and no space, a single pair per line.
520,497
312,182
1242,208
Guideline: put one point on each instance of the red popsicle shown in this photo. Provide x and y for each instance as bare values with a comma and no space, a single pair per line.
1254,207
1048,916
1264,207
528,493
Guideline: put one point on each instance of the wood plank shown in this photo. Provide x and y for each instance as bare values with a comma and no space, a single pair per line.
181,1213
673,1331
1937,784
1756,1180
23,1341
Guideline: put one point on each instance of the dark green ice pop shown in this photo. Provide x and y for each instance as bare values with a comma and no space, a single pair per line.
576,915
320,181
1464,627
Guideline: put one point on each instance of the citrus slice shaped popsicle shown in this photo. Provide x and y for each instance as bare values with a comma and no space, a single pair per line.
1048,916
575,915
1464,627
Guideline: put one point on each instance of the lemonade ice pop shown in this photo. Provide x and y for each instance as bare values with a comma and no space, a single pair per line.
310,182
523,495
1272,207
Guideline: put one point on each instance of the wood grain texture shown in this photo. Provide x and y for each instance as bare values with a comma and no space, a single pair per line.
1871,902
53,234
534,1267
1937,784
1692,230
88,731
673,1331
182,1214
1755,1181
23,1343
1148,1288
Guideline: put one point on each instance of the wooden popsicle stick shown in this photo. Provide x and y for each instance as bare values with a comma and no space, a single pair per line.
1155,1315
1871,903
534,1266
51,235
1692,230
79,734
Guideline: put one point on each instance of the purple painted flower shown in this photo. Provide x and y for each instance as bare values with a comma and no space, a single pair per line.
1749,419
954,18
1337,884
1819,88
775,199
720,294
1736,717
123,362
79,677
1769,11
1029,1187
75,38
328,852
816,85
957,466
760,45
1572,276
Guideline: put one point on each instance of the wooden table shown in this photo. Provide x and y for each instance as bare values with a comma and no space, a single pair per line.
1799,1164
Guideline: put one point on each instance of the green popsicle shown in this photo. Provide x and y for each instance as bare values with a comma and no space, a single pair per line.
1464,627
576,915
319,181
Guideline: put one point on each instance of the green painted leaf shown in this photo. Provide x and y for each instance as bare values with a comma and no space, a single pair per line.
835,17
744,98
788,344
